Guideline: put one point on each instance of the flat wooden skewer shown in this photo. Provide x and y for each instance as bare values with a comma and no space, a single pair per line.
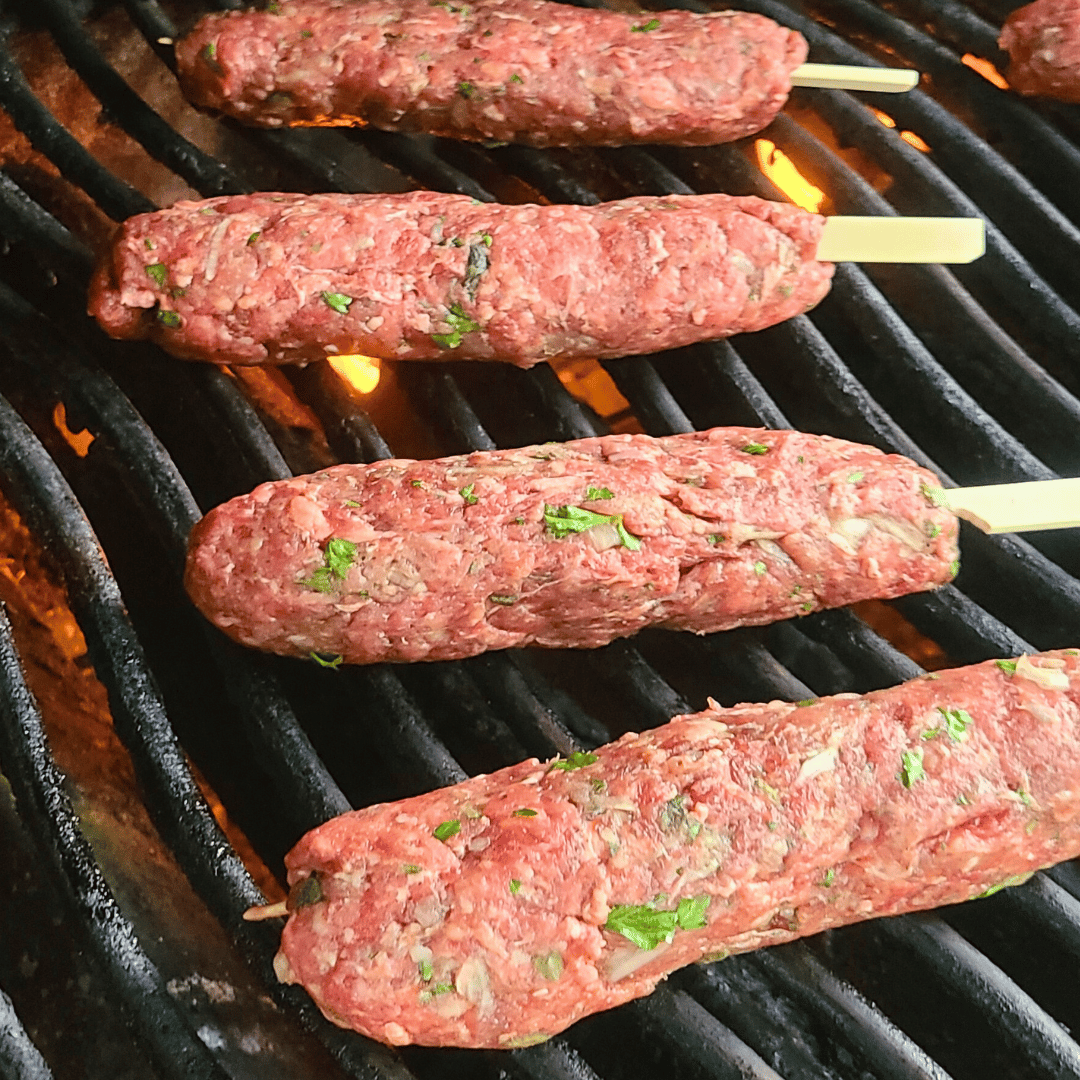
847,77
902,240
1002,508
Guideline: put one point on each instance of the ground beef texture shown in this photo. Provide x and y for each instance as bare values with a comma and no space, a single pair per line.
253,279
437,560
528,71
1043,43
488,914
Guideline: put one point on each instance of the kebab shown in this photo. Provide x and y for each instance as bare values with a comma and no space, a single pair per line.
497,912
281,278
527,71
567,545
1043,43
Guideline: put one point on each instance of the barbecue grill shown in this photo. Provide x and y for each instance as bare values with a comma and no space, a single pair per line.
158,773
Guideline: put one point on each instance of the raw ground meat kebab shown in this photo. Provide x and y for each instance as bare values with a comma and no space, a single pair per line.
1043,43
567,545
267,278
527,71
497,912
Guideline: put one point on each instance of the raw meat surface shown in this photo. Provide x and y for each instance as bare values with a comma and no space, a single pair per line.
436,560
526,71
495,913
1043,43
249,279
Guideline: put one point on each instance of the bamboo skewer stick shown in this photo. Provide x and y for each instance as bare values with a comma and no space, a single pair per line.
901,240
848,77
1026,507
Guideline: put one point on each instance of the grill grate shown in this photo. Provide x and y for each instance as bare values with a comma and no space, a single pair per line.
973,369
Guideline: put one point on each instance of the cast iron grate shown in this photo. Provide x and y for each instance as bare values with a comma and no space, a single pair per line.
973,370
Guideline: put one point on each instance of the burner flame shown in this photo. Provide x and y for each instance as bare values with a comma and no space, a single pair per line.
360,372
781,170
985,69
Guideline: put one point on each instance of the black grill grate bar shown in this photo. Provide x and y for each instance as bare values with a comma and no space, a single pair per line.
654,404
23,221
127,109
47,812
957,25
48,137
20,1059
1031,1035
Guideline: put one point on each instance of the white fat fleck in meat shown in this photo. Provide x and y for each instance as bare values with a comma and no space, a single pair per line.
473,983
905,531
1047,675
429,911
816,764
217,238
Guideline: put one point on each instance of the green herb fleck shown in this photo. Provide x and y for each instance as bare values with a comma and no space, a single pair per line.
1031,826
518,1042
506,599
760,568
411,868
577,760
466,89
933,495
563,520
254,237
642,924
715,538
515,886
426,971
595,493
160,273
933,530
712,957
690,914
772,826
417,483
209,51
755,448
911,767
549,966
338,301
954,568
350,502
855,477
516,78
149,244
459,323
827,881
525,812
340,554
806,701
1009,882
447,829
962,800
1024,797
1008,666
807,606
519,521
306,34
333,663
645,28
467,494
168,318
673,817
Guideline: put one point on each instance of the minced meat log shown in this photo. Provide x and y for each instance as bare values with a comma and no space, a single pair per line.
566,545
526,71
497,912
252,279
1043,43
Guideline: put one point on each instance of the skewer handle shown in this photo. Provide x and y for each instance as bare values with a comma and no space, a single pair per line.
902,240
846,77
1027,507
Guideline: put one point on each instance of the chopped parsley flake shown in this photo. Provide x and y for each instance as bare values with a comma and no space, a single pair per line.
807,606
933,530
645,28
827,881
525,812
351,502
563,520
209,51
911,767
168,318
506,599
577,760
254,237
411,868
459,323
595,493
340,554
338,301
760,568
1008,666
1014,879
467,494
755,448
646,927
955,725
516,78
954,567
806,701
447,829
417,483
466,89
149,244
333,663
306,34
715,538
159,272
1023,796
855,477
515,886
549,966
426,970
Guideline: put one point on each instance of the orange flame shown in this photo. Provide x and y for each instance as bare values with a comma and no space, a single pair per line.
912,139
883,118
360,372
781,170
985,69
79,441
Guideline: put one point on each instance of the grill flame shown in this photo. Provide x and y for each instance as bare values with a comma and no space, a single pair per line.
362,373
781,170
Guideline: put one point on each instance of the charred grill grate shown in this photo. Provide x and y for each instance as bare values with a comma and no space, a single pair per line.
972,370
